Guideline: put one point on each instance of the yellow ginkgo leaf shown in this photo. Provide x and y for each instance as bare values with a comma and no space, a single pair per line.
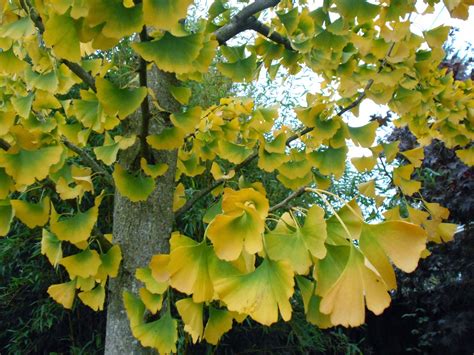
159,267
161,334
364,163
367,188
6,216
188,267
296,244
144,275
397,241
153,170
164,14
26,166
63,293
364,135
402,178
77,228
233,152
169,138
262,294
84,264
179,197
192,315
51,247
466,155
415,156
135,187
32,214
117,101
343,282
94,298
219,323
390,150
11,64
85,284
152,301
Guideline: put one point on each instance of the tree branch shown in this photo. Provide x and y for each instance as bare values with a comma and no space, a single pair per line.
145,105
266,31
89,161
4,145
242,20
287,200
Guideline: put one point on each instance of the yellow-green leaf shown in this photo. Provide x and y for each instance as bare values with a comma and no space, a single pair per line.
94,298
32,214
51,247
135,187
161,334
84,264
63,293
192,315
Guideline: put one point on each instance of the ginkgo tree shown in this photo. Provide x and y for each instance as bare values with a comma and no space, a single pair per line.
58,96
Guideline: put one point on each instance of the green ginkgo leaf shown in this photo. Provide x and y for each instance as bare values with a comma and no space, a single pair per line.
192,315
22,105
171,53
347,225
26,166
262,294
61,33
297,245
84,264
181,94
108,152
189,268
240,70
110,261
219,323
397,241
364,135
233,152
51,247
187,121
135,309
311,303
32,214
161,334
117,101
6,216
117,20
136,187
330,161
19,29
42,81
94,298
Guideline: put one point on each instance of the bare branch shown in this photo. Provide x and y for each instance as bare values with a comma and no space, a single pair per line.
4,145
89,161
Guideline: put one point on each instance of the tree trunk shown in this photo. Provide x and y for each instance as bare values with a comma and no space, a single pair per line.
142,229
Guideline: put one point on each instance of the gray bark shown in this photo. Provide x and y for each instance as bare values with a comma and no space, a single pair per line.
142,229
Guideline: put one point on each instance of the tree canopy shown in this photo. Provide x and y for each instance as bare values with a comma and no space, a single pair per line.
72,133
